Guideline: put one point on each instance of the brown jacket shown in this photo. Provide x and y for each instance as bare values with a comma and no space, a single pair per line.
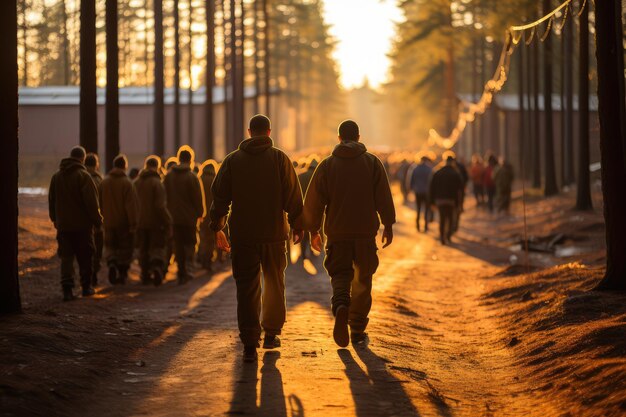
119,202
352,189
185,197
258,185
152,205
73,198
206,177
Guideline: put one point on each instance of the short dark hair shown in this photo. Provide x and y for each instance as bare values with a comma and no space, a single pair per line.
120,161
91,160
184,156
348,130
78,152
259,124
153,161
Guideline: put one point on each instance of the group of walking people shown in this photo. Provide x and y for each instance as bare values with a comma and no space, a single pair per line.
255,203
492,182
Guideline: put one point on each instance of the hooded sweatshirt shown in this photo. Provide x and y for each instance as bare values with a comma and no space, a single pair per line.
119,202
185,196
259,185
446,185
206,177
73,198
152,210
352,189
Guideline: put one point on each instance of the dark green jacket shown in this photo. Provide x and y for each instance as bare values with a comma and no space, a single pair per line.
119,202
258,186
152,213
185,197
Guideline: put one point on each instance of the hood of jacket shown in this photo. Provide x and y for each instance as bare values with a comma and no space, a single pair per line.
147,173
117,172
181,168
256,145
94,173
349,149
70,164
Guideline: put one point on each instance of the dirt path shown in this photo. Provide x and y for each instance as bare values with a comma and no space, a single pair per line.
434,350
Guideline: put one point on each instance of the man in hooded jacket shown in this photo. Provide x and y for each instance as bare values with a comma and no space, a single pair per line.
352,189
207,236
185,201
74,210
92,163
119,209
258,186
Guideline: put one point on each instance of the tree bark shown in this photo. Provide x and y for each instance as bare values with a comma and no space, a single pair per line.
176,76
551,187
189,69
583,186
266,58
569,102
228,125
9,282
209,76
159,113
612,114
239,75
88,105
67,73
257,81
112,108
24,8
522,112
536,142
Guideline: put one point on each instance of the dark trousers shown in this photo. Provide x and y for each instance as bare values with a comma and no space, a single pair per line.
491,194
351,265
119,247
446,221
80,246
206,249
185,238
151,244
260,304
98,237
421,201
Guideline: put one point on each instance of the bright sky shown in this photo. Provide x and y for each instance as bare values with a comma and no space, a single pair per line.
364,29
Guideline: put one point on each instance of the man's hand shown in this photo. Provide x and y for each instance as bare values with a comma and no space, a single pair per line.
298,235
387,237
222,241
316,242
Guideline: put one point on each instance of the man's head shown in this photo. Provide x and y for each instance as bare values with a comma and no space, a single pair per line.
448,157
92,161
259,125
120,162
78,153
349,130
186,155
153,163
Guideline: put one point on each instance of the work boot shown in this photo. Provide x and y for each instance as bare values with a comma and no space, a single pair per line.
88,291
340,332
359,338
112,275
249,354
68,294
271,342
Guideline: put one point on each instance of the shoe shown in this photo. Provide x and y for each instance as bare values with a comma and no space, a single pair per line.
112,275
340,332
271,342
88,291
249,354
359,338
157,277
68,294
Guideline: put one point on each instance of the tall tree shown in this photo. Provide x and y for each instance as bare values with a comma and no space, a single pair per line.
568,133
159,113
24,29
67,71
209,81
255,37
550,186
176,74
239,73
9,281
88,104
612,114
189,70
112,109
536,142
522,112
266,57
583,186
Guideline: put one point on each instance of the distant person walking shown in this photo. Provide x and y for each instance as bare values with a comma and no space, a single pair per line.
154,222
185,202
258,186
351,187
419,185
446,187
92,163
206,248
503,179
305,180
74,210
489,183
119,209
477,174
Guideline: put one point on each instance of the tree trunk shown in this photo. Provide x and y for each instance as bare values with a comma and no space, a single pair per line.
176,76
610,59
583,186
9,281
569,102
475,94
239,75
189,68
67,73
536,142
233,76
522,112
228,126
209,76
551,187
257,81
24,8
159,113
266,58
112,108
88,105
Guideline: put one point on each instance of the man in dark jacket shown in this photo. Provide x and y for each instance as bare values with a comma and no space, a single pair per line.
185,201
305,180
419,185
119,209
153,221
445,191
207,236
257,184
74,210
352,189
92,164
